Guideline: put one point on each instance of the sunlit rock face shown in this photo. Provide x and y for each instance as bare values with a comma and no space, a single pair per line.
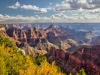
2,30
53,36
37,38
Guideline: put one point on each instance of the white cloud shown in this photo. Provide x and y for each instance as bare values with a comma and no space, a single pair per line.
35,8
63,6
77,4
53,18
90,12
49,8
30,7
15,6
41,10
80,10
68,11
1,15
59,16
94,11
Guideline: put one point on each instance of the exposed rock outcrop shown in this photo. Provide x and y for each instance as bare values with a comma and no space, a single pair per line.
53,36
2,30
85,57
40,39
30,50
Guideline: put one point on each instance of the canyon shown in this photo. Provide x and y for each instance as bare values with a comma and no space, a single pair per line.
44,39
72,48
84,57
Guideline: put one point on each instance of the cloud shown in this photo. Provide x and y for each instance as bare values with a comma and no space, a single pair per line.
63,7
1,15
35,8
30,7
59,16
53,18
77,4
41,10
90,12
66,11
15,6
94,11
22,19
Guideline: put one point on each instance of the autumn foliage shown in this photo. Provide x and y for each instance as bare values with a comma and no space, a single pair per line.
14,62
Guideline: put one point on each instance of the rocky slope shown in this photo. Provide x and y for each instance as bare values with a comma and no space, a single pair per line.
27,49
56,41
2,30
53,36
84,57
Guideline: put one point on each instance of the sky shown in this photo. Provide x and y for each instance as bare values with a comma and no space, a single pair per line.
30,11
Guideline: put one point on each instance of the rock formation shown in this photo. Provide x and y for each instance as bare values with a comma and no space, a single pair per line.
84,57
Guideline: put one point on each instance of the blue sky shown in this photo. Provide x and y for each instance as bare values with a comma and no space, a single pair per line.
29,11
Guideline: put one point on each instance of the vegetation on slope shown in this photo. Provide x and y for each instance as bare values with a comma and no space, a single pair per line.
14,62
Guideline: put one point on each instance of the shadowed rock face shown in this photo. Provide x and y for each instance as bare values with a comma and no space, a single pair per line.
56,36
34,37
41,39
25,35
44,39
85,57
